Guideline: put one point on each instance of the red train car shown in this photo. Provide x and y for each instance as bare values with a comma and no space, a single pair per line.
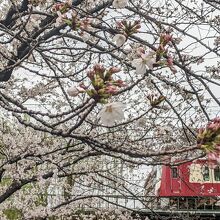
189,190
191,179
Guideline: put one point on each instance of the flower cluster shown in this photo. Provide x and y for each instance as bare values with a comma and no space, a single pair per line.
208,139
69,16
145,60
162,51
126,29
104,86
62,7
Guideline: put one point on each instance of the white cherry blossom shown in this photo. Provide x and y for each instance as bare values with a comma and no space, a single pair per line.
141,64
112,112
119,3
74,91
127,51
120,39
127,48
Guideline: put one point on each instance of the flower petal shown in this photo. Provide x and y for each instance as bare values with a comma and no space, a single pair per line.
111,112
141,69
119,39
119,3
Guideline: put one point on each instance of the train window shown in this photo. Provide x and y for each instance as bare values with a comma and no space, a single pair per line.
195,175
174,172
205,173
217,173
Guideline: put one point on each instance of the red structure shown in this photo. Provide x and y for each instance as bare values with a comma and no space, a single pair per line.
191,179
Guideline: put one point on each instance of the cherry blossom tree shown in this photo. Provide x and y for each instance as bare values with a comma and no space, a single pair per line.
92,90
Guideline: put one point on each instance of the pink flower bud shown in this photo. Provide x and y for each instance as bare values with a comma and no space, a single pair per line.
91,74
212,156
165,38
114,69
98,68
213,126
82,86
111,90
170,64
216,120
120,83
170,61
137,26
119,25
